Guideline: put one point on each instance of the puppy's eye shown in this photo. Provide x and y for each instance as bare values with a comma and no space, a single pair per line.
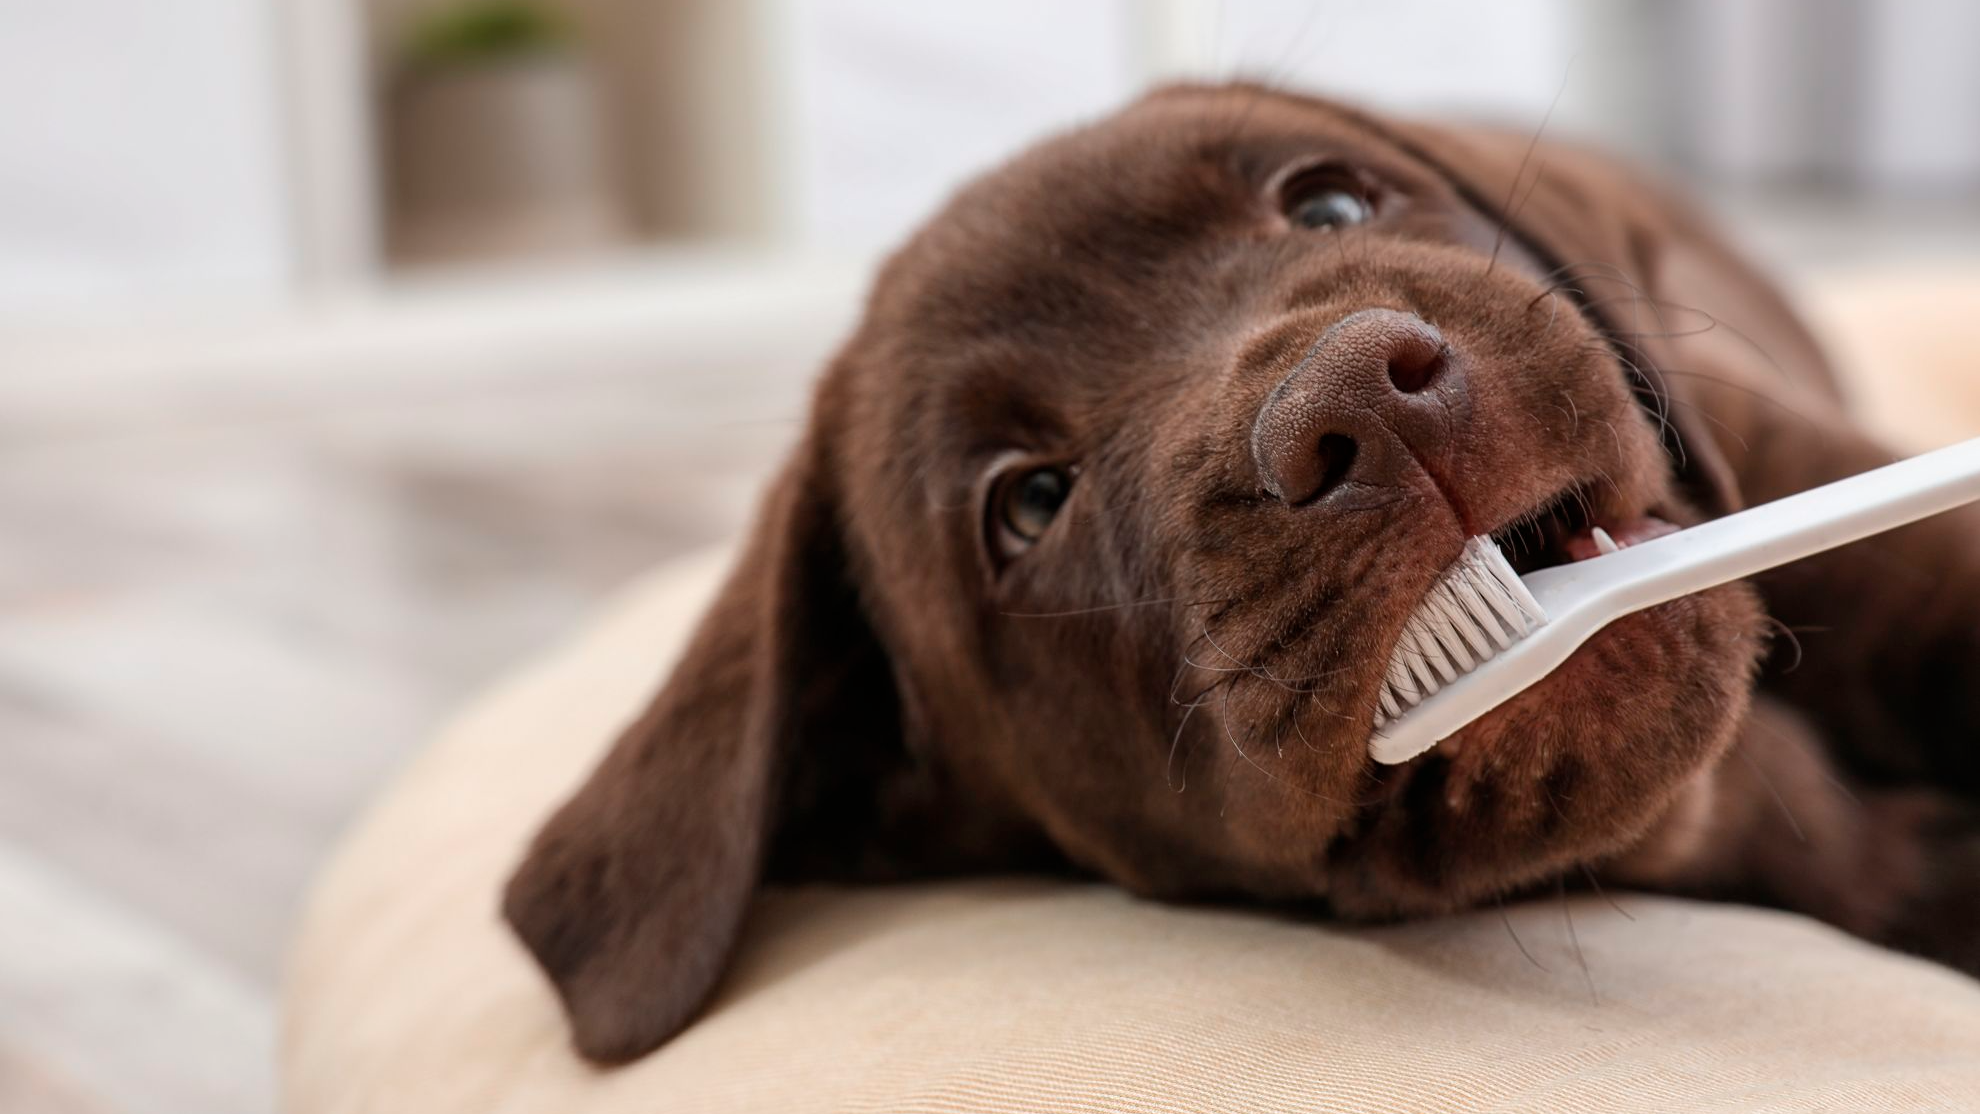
1025,503
1326,198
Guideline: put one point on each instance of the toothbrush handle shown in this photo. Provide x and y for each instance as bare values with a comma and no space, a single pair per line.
1582,597
1785,530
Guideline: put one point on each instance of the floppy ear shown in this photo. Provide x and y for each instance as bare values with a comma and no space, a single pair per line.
632,894
1607,239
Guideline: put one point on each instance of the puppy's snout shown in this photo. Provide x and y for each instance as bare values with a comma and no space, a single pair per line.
1373,390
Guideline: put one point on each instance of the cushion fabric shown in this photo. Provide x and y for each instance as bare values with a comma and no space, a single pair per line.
407,994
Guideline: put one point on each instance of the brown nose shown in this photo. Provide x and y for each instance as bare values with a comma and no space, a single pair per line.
1376,389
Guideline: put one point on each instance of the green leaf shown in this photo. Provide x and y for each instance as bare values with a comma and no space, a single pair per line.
486,30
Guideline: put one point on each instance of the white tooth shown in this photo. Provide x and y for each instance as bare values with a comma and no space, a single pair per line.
1603,542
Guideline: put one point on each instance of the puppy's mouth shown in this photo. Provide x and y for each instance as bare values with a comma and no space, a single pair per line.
1454,627
1573,526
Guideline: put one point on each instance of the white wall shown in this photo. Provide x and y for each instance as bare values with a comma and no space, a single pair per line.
1489,58
1920,128
140,153
896,103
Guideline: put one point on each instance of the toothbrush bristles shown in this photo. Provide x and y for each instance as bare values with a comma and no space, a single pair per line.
1478,608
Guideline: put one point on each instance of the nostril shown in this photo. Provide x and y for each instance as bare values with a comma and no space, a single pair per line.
1305,436
1416,362
1336,453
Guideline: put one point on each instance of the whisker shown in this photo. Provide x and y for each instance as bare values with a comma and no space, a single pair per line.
1259,671
1613,904
1603,475
1660,398
1616,436
1755,392
1104,607
1507,210
1269,775
1289,684
1215,645
1794,640
1707,415
1294,718
1793,824
1567,914
1506,920
1169,775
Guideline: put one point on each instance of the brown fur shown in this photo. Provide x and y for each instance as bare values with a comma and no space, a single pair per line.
1173,688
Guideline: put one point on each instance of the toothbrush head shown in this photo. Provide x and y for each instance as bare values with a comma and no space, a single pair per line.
1476,610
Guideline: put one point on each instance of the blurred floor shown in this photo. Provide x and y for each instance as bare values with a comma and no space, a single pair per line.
232,612
235,603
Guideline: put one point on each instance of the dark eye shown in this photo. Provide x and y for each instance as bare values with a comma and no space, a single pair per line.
1025,503
1326,198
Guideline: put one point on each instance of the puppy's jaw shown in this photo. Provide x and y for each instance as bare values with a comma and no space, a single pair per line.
1575,768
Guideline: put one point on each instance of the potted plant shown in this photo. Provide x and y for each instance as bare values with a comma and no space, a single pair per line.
497,147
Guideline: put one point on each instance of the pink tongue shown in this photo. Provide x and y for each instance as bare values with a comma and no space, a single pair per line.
1582,546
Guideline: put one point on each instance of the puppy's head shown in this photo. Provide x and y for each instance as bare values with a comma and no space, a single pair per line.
1105,524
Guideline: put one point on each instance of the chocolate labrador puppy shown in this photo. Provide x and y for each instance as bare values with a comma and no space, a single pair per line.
1105,520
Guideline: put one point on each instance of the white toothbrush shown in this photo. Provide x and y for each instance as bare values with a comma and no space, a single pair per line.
1483,635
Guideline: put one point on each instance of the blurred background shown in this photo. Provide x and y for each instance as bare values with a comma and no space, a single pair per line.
352,349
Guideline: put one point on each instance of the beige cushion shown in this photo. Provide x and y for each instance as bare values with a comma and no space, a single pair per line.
406,994
1909,340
